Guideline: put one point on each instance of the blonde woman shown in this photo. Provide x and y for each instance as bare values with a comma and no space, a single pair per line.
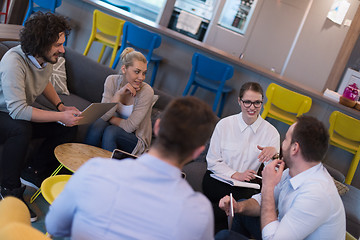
128,125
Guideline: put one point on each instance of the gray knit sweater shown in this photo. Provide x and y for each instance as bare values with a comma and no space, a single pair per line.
21,82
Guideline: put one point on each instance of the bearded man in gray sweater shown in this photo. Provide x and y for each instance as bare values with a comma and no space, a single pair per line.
25,71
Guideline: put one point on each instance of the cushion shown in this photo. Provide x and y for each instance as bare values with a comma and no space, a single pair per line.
58,77
342,188
155,98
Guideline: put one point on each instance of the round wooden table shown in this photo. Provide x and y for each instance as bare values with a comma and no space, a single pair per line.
73,155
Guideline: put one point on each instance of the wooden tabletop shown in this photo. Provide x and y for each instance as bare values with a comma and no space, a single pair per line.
73,155
10,32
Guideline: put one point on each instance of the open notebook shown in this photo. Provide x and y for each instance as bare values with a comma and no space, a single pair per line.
234,182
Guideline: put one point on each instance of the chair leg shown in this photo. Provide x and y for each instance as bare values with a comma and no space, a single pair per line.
28,13
101,53
117,59
37,193
88,46
153,75
222,103
113,56
217,99
352,168
187,88
194,90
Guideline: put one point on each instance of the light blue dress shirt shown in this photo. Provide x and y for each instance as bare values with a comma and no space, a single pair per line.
130,199
309,207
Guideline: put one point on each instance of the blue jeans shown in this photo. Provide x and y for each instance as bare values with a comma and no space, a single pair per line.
109,137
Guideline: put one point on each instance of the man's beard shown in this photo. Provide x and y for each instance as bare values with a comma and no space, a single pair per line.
46,59
286,156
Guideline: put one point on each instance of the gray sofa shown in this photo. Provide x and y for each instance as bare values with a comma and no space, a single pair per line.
85,80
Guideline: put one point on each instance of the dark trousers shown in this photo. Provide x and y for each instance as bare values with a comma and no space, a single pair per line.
244,227
214,190
16,136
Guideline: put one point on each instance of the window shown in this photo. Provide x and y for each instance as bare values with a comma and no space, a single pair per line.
148,9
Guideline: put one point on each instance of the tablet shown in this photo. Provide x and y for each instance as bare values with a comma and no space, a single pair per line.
119,154
94,111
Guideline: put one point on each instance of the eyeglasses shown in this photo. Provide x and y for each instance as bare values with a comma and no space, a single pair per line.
247,103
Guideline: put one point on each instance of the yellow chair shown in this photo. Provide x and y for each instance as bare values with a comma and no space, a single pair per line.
349,236
107,30
15,221
285,105
344,133
52,186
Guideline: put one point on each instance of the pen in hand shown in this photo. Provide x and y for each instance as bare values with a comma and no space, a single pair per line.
257,176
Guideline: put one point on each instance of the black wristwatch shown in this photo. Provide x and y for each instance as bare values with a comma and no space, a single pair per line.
57,105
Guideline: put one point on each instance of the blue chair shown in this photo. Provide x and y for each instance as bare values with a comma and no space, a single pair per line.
142,40
210,74
41,5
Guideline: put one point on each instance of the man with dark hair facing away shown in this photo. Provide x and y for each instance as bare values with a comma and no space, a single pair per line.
25,71
144,198
300,202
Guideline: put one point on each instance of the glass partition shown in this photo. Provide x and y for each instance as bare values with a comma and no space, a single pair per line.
148,9
236,15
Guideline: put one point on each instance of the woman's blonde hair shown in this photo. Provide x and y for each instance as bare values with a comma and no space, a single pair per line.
129,55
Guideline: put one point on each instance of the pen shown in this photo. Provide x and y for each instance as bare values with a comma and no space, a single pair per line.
257,176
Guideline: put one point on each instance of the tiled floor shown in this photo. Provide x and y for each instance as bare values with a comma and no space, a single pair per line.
41,207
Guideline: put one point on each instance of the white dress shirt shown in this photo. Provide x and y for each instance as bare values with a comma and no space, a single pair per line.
309,207
233,145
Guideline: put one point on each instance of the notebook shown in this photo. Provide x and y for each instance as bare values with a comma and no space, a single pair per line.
234,182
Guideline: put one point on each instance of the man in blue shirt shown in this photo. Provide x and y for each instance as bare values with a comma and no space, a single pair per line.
300,202
144,198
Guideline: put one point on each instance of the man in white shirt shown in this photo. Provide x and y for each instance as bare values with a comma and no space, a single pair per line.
300,202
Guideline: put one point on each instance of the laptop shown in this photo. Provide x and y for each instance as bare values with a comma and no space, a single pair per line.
94,111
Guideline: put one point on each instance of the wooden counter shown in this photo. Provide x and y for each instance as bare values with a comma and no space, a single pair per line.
10,32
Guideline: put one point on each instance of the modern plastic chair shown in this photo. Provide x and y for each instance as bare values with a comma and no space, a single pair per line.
285,105
15,221
143,41
41,5
52,186
107,30
344,133
210,74
6,11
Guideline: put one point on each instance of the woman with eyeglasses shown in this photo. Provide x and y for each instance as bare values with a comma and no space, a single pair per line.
239,145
